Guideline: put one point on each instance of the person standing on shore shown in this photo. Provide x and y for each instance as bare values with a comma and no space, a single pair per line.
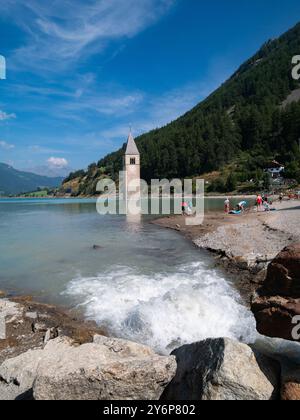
259,202
227,205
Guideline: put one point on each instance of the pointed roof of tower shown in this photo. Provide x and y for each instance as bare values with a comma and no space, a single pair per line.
131,146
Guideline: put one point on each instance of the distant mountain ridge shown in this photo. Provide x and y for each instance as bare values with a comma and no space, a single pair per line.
253,117
13,181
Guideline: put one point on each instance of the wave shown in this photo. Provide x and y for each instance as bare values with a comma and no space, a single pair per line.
167,310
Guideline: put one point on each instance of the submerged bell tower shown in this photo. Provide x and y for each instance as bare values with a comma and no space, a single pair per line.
132,164
132,170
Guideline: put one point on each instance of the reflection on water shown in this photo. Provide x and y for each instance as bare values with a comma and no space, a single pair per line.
134,222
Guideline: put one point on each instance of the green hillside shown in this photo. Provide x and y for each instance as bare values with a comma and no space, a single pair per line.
254,116
17,182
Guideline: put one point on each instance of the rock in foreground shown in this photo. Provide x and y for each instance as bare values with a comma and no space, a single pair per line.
222,369
18,374
108,369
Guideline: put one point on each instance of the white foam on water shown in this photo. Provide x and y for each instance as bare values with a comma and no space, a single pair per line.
165,311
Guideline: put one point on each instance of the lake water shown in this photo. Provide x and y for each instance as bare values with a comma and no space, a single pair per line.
143,283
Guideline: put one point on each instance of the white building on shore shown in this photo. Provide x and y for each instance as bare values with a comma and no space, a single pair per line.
275,169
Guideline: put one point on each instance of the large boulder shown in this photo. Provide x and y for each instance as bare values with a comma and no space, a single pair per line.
222,369
283,276
277,302
274,316
17,375
108,369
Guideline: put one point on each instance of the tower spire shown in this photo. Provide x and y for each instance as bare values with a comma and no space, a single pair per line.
131,146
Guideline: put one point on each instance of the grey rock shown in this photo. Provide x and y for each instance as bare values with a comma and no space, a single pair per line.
11,392
31,315
9,309
21,371
18,374
39,327
9,312
276,348
122,346
108,369
51,334
97,247
223,369
47,336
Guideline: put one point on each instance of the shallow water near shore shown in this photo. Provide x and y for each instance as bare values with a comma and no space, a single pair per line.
137,280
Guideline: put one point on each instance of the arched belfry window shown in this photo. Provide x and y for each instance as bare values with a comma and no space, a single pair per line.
132,161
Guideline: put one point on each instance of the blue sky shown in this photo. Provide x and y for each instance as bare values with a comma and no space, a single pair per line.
81,72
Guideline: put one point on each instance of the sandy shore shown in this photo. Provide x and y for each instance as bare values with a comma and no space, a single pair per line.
243,243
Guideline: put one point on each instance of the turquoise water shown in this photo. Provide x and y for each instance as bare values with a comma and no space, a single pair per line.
211,204
139,281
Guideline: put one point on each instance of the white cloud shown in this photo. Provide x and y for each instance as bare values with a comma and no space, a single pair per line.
161,110
57,163
45,170
91,102
6,146
61,32
76,99
4,116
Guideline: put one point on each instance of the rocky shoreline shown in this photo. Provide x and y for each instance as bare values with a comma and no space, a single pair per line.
75,361
30,324
243,245
50,354
263,250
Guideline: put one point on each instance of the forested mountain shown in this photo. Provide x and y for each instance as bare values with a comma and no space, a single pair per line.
253,116
17,182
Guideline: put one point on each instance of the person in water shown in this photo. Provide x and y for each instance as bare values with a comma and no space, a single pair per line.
227,205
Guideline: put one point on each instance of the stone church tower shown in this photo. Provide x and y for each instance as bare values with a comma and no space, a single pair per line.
132,166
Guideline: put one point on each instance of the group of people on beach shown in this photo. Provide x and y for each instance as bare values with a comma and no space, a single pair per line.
262,204
240,207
